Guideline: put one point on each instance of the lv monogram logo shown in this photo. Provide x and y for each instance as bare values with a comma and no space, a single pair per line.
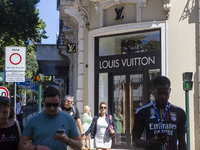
71,48
119,13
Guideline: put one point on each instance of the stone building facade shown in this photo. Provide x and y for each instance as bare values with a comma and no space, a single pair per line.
121,45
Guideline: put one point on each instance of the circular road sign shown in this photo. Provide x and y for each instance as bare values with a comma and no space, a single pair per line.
4,91
17,57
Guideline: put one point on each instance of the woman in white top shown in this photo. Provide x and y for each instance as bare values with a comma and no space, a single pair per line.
99,129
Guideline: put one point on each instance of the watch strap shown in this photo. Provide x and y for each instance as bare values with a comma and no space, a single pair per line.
69,142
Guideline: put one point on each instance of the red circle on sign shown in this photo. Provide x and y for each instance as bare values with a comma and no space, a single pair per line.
19,59
6,90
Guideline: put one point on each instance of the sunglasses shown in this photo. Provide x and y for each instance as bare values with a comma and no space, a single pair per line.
71,102
103,107
4,98
52,104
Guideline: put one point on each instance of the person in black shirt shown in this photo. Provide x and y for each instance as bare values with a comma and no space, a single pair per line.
163,123
73,111
10,130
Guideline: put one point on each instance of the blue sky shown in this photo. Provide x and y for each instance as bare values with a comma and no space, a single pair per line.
49,14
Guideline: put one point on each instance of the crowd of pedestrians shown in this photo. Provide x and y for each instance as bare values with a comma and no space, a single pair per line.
60,127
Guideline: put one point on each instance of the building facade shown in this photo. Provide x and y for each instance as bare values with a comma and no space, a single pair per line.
116,47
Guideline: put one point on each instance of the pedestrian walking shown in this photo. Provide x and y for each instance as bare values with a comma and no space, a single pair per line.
73,111
87,120
10,130
163,122
100,130
19,110
51,129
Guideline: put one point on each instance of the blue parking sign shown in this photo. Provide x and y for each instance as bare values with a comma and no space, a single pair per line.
34,86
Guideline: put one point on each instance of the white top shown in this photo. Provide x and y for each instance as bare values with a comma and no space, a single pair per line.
19,107
101,126
101,140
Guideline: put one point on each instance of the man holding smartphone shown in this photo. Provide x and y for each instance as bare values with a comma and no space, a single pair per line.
51,129
164,123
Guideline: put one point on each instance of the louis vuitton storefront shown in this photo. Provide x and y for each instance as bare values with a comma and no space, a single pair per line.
125,64
121,46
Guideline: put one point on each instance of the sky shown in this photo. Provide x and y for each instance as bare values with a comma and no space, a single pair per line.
49,14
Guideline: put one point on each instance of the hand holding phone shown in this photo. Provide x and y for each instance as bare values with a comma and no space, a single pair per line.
59,132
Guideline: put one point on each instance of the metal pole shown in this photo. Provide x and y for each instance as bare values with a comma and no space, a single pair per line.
15,101
188,118
39,97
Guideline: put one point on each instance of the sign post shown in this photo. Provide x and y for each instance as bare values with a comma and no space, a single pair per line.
39,78
15,67
39,97
187,85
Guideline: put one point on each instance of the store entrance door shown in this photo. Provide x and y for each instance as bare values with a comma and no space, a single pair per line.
129,92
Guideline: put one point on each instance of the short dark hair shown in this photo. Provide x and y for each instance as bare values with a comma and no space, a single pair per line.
51,92
4,101
161,80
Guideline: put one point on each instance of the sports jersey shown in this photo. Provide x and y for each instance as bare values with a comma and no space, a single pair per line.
174,124
41,128
72,111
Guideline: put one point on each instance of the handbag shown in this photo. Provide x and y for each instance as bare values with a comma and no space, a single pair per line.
111,127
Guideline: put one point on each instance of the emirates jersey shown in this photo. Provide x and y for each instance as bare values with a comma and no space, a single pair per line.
174,124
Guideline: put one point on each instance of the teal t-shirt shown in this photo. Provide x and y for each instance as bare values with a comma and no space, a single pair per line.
41,129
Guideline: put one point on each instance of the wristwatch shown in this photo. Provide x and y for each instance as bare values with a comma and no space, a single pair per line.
69,142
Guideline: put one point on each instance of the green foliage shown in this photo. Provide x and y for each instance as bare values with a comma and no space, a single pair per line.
152,45
20,25
31,61
19,21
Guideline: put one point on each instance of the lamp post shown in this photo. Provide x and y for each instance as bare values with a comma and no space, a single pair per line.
39,78
187,86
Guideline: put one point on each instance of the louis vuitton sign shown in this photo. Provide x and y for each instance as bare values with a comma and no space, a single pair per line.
119,13
142,61
71,48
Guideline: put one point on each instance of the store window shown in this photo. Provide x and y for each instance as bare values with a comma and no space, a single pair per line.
129,43
103,88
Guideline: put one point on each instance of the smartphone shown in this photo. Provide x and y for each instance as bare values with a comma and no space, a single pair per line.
162,135
60,131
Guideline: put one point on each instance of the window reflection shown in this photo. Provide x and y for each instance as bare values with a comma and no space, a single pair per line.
120,108
130,43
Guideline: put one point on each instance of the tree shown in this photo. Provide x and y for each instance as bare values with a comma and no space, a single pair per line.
19,25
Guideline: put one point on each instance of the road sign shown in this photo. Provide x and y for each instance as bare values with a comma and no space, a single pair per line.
15,59
21,83
34,86
26,84
15,79
15,74
4,91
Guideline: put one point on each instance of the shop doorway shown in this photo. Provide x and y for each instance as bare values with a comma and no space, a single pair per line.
129,92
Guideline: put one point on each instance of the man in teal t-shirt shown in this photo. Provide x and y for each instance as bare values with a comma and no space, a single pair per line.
41,128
